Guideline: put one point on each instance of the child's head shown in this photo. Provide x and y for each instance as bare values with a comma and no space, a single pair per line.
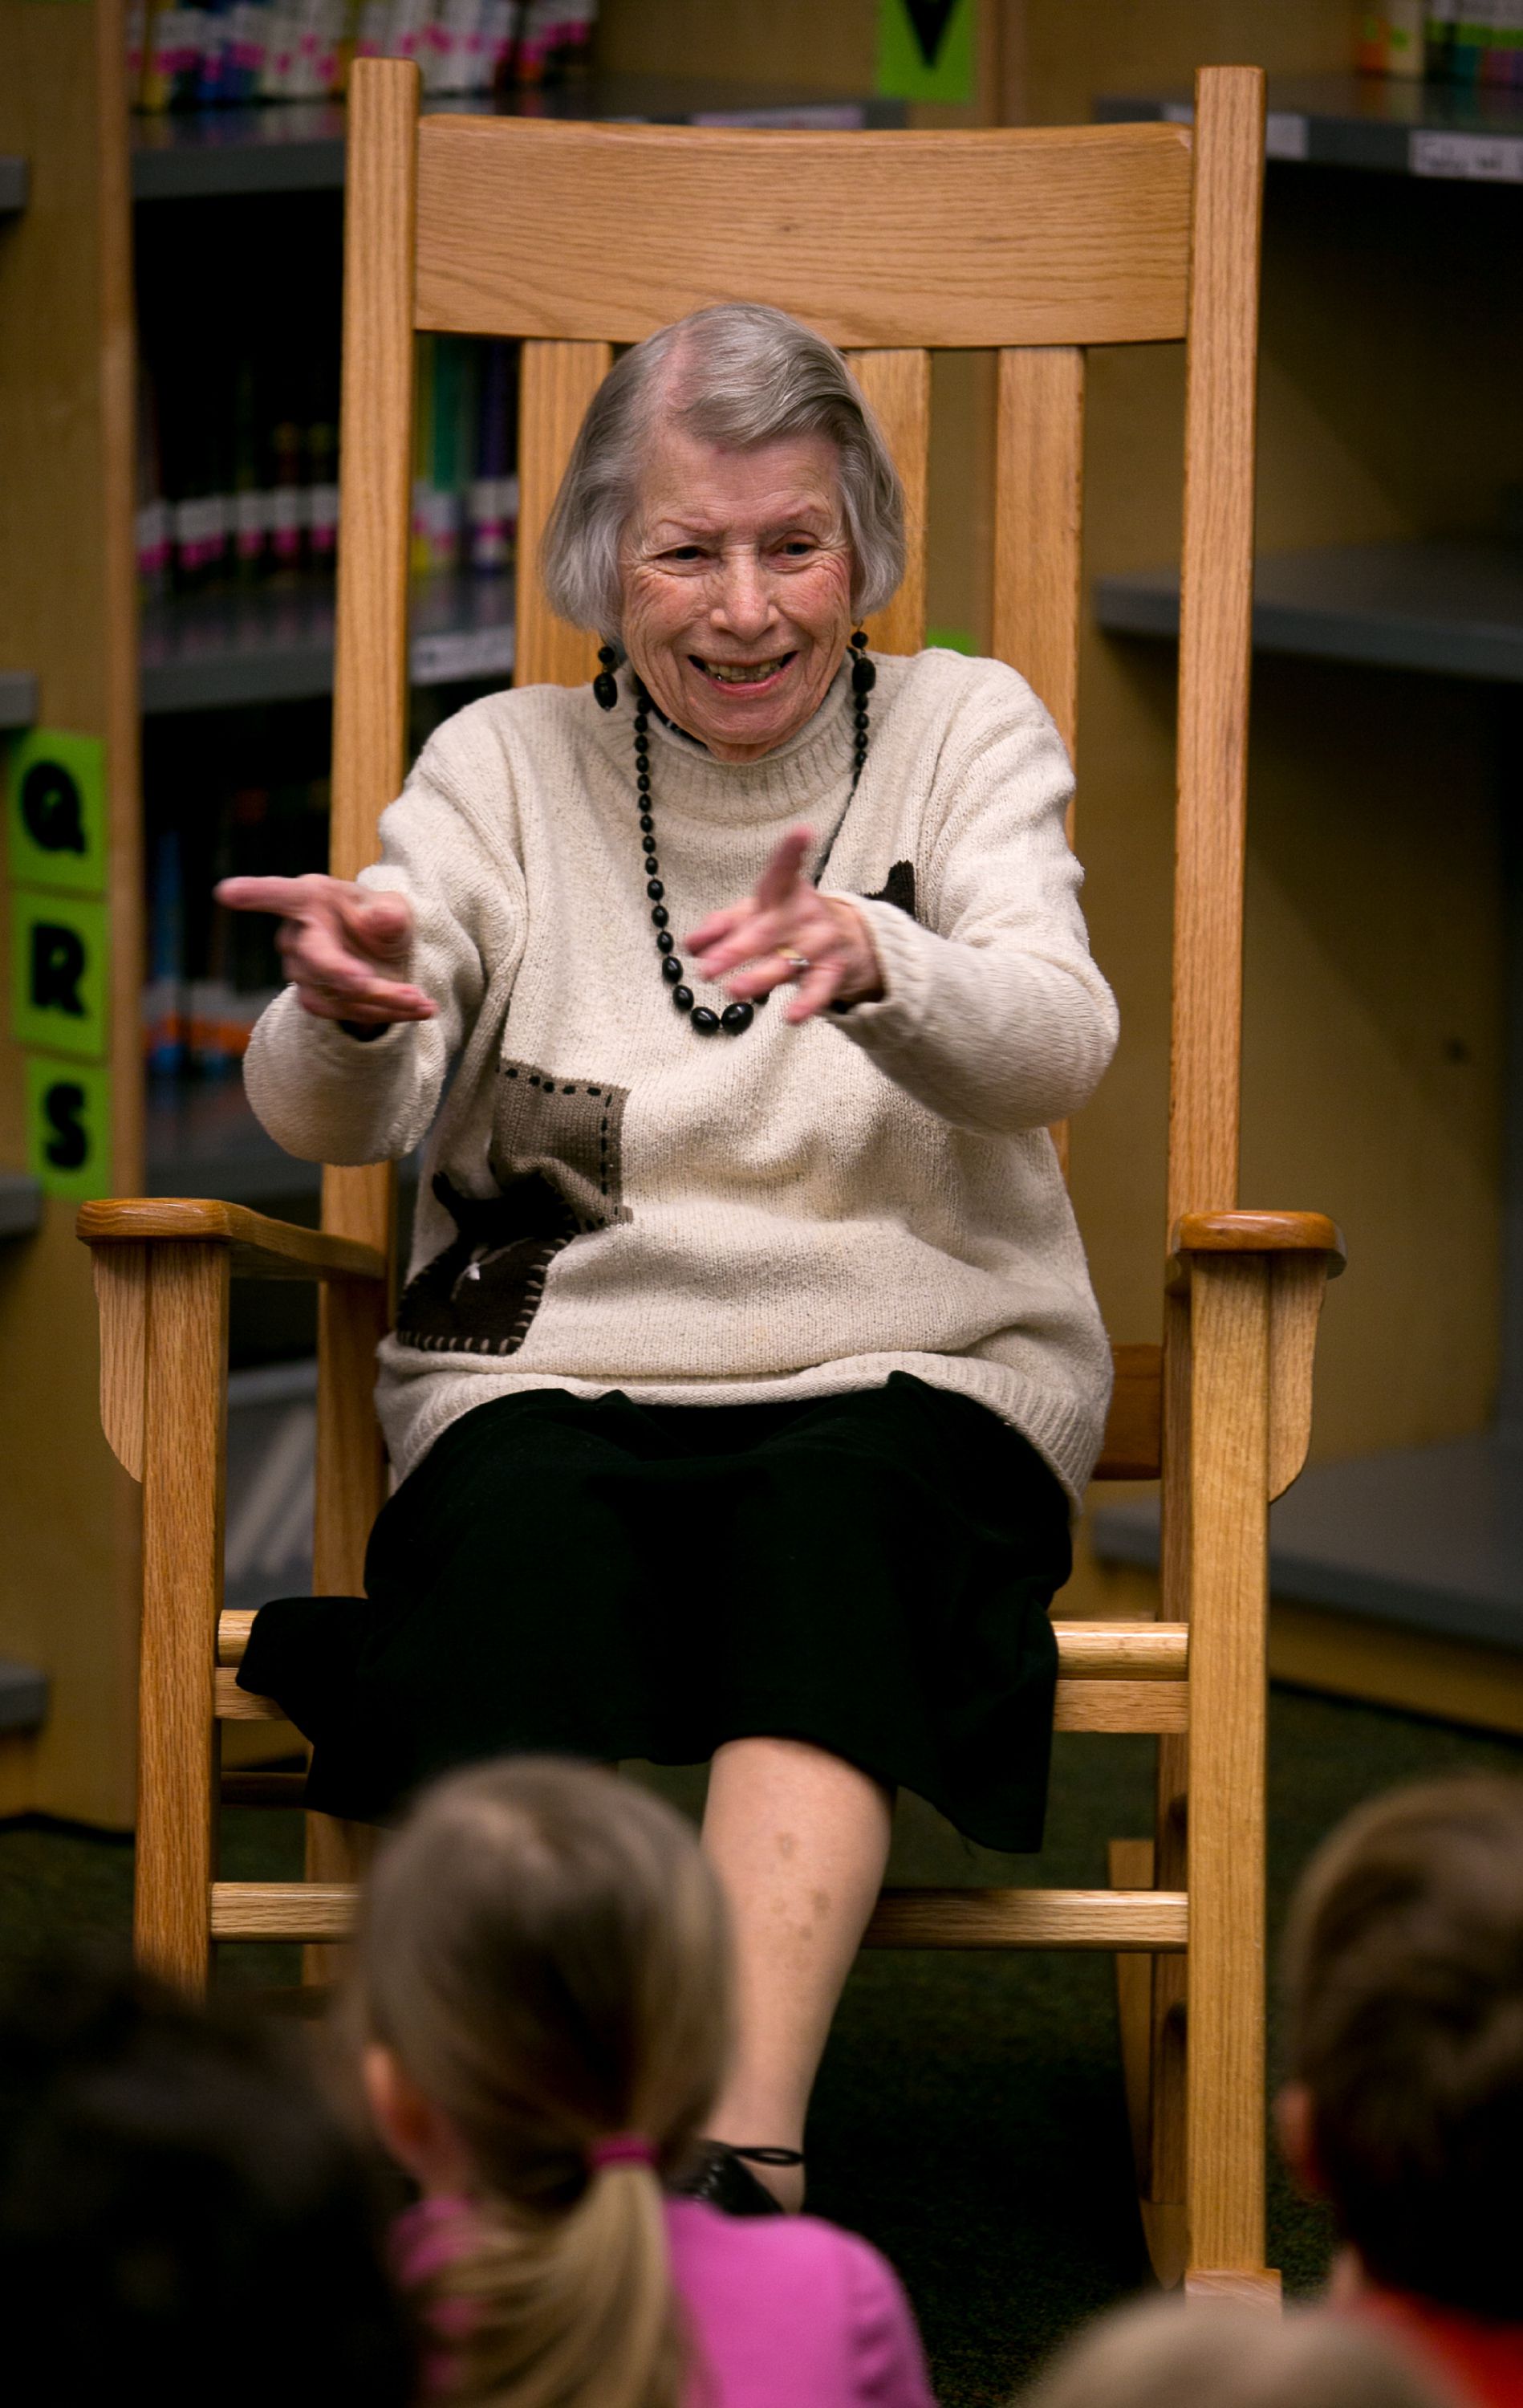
1217,2354
1404,1975
543,1966
182,2217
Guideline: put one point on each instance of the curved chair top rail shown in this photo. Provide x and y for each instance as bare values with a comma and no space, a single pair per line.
602,234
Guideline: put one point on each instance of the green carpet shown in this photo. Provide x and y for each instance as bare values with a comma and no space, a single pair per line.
969,2116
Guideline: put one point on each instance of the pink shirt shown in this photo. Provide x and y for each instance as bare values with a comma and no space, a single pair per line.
1482,2361
786,2312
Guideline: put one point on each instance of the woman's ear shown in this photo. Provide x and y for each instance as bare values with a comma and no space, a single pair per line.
419,2135
1294,2128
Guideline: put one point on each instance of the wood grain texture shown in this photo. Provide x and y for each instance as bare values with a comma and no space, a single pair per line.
1297,1285
350,1456
258,1247
183,1469
120,1276
1082,234
1260,1233
1229,1583
948,1918
1131,1448
370,660
1131,1651
280,1910
897,386
1038,489
1164,2171
556,383
1028,1918
1129,1865
1216,611
233,1628
370,737
232,1704
1100,1705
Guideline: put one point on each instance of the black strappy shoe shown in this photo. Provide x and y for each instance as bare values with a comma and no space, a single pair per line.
722,2180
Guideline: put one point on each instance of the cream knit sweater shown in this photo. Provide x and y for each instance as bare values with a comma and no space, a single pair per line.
610,1201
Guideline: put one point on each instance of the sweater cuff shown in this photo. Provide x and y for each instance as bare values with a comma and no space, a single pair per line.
899,943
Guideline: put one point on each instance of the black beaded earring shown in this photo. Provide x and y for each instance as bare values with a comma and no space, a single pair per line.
605,685
865,677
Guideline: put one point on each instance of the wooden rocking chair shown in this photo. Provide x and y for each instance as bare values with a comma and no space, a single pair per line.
1034,245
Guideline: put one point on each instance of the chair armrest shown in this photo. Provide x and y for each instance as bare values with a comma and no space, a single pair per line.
1260,1233
260,1248
1300,1252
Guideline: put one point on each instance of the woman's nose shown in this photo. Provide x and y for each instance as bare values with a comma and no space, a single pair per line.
743,604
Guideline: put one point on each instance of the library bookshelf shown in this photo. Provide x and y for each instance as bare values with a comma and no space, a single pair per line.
125,242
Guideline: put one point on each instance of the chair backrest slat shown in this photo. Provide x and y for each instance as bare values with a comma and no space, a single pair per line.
897,385
883,241
557,382
370,745
370,666
1037,495
1215,639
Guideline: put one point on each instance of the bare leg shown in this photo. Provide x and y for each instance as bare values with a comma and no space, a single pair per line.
799,1840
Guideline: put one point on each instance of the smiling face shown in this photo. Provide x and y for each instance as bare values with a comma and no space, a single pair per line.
736,575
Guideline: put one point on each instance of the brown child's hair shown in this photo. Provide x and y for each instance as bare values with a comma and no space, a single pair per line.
542,1949
1221,2354
1404,1978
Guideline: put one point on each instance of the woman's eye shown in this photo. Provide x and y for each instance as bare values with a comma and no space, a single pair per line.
684,553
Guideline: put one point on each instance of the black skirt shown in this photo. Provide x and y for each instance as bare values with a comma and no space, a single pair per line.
598,1578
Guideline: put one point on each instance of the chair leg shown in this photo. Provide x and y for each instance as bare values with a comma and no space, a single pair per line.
1132,1866
351,1489
183,1471
1161,2162
1229,1485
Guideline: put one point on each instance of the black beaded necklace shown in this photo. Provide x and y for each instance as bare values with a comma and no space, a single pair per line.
736,1017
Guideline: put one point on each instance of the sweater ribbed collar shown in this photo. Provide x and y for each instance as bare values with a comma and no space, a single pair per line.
687,781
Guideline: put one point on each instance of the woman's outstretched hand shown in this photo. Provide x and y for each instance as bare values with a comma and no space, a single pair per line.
342,946
787,916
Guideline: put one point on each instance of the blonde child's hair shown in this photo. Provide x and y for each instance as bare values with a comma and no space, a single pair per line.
1218,2353
1403,1968
542,1948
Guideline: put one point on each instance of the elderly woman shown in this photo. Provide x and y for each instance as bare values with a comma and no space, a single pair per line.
749,1367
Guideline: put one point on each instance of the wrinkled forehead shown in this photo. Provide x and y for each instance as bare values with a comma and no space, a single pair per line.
685,482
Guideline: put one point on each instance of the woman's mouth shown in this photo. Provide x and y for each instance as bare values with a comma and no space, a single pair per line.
747,674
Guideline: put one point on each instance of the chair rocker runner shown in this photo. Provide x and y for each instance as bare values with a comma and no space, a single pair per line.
1144,233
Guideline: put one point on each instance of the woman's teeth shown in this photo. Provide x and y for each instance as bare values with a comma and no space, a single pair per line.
742,672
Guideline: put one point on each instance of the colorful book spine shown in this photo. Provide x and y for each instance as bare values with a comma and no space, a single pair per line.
238,50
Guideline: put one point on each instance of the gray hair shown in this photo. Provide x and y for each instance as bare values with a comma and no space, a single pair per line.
738,374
